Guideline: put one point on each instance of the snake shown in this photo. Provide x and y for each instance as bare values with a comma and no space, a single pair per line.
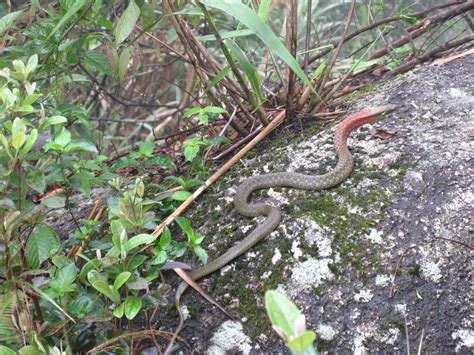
243,192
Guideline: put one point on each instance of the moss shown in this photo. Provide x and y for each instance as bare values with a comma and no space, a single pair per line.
414,270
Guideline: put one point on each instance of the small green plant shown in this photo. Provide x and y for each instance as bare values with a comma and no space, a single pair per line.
289,323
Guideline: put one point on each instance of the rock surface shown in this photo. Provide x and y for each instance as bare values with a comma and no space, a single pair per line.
381,263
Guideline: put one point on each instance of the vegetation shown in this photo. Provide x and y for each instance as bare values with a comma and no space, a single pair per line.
110,113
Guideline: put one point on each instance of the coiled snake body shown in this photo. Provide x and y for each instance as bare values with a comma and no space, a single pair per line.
287,179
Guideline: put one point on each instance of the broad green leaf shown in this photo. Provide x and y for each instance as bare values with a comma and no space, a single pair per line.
185,225
249,18
181,195
302,342
18,126
6,21
282,312
124,60
63,137
98,61
140,239
70,12
6,145
54,202
53,120
200,253
192,111
126,22
30,99
63,281
190,151
104,288
40,246
30,141
29,350
81,146
133,305
121,279
18,140
32,63
118,312
3,349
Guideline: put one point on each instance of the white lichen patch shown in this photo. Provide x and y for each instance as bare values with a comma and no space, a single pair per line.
279,196
466,338
311,273
401,308
382,280
276,256
184,311
326,332
363,296
295,249
227,337
430,271
390,337
375,236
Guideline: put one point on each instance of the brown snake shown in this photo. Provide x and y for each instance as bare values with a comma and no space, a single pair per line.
286,179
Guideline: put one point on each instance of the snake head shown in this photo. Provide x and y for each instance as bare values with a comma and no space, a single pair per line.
379,111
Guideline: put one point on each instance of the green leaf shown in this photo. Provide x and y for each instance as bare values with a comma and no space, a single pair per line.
165,238
282,312
200,253
185,225
6,21
31,140
121,279
190,151
140,239
30,99
40,246
249,18
18,126
301,343
54,202
98,61
30,350
3,349
127,22
133,305
248,68
18,140
63,137
63,281
77,5
124,60
104,288
181,195
81,146
50,121
218,77
32,63
118,312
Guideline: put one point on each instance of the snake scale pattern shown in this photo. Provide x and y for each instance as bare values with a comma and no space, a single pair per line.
286,179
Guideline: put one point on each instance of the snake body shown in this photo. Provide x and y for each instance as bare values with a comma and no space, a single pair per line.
287,179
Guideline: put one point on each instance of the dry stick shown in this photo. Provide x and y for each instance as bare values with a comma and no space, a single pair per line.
194,57
428,55
334,58
425,26
291,40
233,65
222,170
307,36
384,21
